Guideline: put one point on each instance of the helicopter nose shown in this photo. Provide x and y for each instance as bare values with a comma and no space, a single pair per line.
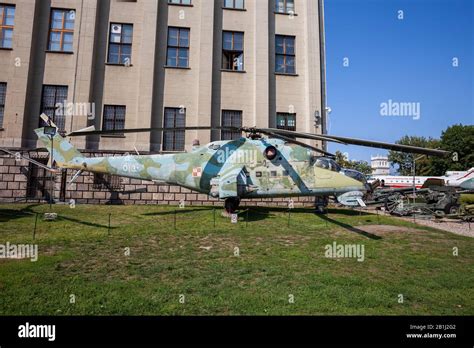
353,184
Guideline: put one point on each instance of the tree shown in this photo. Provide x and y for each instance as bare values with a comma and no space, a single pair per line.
457,139
423,165
344,162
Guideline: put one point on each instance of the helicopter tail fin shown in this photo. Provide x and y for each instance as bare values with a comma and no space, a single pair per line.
64,152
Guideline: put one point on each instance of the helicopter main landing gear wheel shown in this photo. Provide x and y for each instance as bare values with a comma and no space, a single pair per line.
231,205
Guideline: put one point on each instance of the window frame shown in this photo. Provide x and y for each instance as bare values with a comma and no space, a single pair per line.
233,52
3,99
174,145
120,45
225,133
178,48
286,116
233,7
285,55
286,8
6,27
61,31
115,108
180,3
56,113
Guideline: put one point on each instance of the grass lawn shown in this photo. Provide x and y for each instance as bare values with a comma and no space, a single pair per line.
198,264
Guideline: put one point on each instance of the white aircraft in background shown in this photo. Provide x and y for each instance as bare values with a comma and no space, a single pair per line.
454,179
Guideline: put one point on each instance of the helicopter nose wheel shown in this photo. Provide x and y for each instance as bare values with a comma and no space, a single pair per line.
231,205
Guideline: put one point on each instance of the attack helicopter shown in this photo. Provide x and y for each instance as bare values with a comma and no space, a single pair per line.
264,163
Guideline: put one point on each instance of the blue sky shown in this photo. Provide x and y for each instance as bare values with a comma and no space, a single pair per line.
407,60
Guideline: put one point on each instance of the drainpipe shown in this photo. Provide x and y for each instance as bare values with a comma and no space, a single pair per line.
322,53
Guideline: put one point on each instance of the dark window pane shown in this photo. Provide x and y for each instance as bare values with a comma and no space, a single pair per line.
114,49
127,34
280,6
231,119
126,50
174,140
183,57
227,41
173,37
68,37
280,47
238,41
113,58
53,97
286,121
114,117
9,15
239,4
290,46
3,92
172,56
184,38
67,47
280,64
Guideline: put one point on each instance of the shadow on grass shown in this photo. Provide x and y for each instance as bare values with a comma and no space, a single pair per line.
86,223
12,214
178,211
348,212
350,228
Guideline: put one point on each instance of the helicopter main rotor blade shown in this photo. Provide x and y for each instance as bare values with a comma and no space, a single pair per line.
294,141
299,135
367,143
145,130
391,146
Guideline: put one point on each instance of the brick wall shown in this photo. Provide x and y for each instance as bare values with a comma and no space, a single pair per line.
16,182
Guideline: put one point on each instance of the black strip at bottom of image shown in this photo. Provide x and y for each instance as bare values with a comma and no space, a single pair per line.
332,330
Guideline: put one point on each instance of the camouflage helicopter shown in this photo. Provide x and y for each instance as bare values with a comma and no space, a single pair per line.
266,163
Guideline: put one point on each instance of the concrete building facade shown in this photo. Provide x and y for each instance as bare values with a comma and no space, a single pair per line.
117,64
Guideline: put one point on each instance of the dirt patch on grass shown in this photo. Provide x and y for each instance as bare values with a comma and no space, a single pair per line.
386,229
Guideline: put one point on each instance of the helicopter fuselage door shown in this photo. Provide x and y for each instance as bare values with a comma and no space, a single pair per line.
233,183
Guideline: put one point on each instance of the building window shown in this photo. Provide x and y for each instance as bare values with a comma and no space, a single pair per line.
178,47
285,54
285,6
114,117
120,44
7,22
53,101
173,140
231,118
180,2
3,94
238,4
286,121
233,51
61,30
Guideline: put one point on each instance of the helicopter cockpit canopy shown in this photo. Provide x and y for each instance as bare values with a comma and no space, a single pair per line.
354,174
327,163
